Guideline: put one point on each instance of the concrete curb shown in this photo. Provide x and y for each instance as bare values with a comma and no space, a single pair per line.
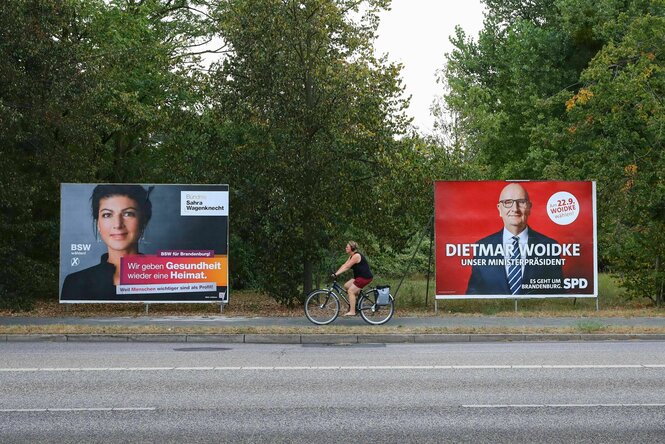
386,338
272,339
95,338
157,338
223,338
328,338
36,338
438,338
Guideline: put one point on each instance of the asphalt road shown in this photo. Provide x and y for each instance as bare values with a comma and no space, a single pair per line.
160,392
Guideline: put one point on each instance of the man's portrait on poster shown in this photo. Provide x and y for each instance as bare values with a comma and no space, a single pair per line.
120,215
509,264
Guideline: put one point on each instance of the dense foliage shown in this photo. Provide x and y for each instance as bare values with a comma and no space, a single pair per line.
89,91
574,89
307,125
298,116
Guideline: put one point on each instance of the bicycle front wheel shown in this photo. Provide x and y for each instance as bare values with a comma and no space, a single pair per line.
322,307
371,312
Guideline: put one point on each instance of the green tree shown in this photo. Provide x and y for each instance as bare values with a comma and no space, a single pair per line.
573,89
44,133
145,59
90,91
613,130
322,114
498,84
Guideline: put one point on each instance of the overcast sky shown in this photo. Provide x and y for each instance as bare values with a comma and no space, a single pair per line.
415,33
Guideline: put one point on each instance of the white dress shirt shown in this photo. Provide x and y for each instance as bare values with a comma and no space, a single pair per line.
508,240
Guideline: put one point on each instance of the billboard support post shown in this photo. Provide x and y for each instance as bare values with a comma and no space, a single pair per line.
429,260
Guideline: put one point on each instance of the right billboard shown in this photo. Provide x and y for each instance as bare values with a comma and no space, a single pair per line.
515,239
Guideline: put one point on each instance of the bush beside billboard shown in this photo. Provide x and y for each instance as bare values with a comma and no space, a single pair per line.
518,240
143,243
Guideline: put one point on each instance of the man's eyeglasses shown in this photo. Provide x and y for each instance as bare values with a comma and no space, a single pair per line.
508,203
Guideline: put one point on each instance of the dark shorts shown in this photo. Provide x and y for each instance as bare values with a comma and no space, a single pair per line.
361,282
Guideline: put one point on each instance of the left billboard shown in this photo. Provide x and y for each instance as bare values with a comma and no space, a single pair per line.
143,243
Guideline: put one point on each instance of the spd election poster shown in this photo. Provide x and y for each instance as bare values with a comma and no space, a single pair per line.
143,243
515,239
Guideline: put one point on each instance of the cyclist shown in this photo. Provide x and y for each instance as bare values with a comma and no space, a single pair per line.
362,275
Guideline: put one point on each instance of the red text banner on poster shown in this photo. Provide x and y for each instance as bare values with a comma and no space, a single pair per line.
139,269
556,256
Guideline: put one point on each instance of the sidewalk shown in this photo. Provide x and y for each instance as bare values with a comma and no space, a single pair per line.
320,335
410,322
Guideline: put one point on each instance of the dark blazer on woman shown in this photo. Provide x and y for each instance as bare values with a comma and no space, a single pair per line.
94,283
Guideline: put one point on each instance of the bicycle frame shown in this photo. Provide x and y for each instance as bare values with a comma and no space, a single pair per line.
344,295
340,292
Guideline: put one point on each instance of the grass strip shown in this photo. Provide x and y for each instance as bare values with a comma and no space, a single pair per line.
87,329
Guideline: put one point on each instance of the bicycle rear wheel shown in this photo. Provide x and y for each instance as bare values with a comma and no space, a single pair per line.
371,312
322,307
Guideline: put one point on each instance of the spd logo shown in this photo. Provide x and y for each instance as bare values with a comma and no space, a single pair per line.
575,283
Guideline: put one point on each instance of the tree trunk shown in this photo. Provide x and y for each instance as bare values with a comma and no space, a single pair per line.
119,149
658,286
307,276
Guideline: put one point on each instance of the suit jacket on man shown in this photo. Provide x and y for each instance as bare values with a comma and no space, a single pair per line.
492,279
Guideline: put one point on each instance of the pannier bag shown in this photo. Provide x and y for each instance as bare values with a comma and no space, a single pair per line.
383,297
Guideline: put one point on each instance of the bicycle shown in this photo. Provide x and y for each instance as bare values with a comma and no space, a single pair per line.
322,305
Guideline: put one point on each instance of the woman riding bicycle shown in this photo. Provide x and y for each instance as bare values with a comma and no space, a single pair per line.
362,275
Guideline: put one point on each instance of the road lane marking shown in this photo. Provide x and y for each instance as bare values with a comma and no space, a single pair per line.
82,409
540,406
330,367
469,406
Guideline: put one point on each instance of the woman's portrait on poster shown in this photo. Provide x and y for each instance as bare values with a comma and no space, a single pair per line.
120,215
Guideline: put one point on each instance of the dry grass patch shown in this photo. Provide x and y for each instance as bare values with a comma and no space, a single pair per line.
243,303
331,329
